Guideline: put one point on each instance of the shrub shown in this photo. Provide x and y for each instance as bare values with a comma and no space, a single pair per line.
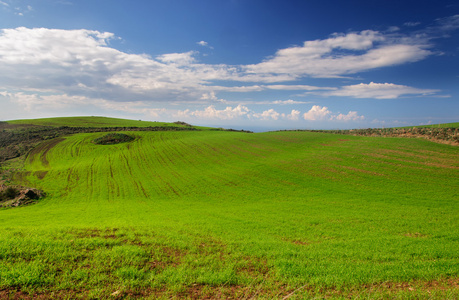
113,138
10,192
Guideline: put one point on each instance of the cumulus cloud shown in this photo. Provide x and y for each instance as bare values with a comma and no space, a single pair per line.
211,112
350,116
378,91
318,113
270,114
60,103
294,115
239,112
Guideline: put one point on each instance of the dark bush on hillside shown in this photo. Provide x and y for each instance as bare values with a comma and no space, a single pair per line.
9,193
113,138
182,123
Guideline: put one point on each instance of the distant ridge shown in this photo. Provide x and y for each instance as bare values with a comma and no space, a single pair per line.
93,122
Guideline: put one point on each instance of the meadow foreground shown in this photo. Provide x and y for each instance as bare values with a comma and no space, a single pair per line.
219,214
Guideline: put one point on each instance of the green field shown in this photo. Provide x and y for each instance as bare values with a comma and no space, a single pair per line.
90,122
219,214
452,125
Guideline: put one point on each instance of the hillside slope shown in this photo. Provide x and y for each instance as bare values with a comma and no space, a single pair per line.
90,122
228,214
19,136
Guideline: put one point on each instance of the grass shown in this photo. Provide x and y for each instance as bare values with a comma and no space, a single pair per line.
93,122
441,125
227,214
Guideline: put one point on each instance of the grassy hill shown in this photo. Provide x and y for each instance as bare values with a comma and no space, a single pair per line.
90,122
443,125
219,214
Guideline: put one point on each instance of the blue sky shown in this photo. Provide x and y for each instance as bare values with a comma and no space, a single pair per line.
244,64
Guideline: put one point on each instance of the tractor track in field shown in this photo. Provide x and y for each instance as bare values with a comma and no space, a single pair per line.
43,149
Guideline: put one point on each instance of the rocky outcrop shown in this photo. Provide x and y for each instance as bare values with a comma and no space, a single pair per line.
17,196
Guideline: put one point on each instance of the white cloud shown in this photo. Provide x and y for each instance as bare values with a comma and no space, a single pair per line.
81,62
204,44
377,91
363,51
258,88
318,113
448,23
294,115
60,103
270,114
412,24
4,4
288,102
63,104
209,96
238,89
178,58
239,112
350,116
211,112
294,87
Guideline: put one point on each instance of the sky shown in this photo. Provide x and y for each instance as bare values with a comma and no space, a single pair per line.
244,64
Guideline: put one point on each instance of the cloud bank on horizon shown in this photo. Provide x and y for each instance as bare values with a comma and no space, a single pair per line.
46,72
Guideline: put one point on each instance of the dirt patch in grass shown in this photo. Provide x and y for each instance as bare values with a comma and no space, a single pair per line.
432,160
86,233
40,174
433,289
302,243
414,287
22,295
199,291
415,235
395,161
417,289
170,256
